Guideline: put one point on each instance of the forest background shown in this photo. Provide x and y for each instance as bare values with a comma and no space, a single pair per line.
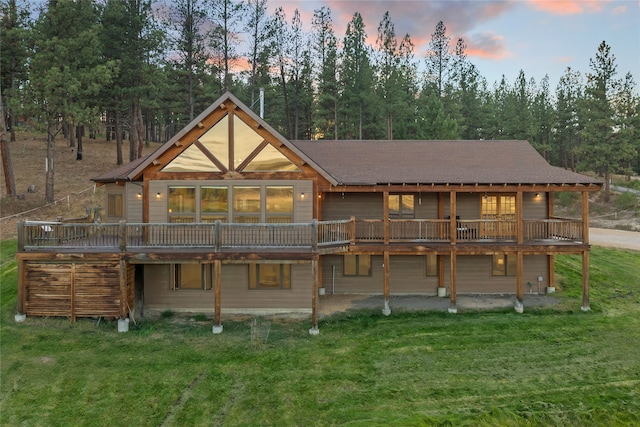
139,71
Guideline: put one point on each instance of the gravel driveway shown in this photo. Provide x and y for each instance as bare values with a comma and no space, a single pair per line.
614,238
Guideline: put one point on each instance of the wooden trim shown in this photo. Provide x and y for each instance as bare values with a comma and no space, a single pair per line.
464,188
385,215
22,283
440,271
551,271
549,204
72,290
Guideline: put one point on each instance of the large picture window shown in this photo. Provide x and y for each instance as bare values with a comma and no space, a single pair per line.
279,204
193,276
214,204
182,204
269,276
357,265
246,204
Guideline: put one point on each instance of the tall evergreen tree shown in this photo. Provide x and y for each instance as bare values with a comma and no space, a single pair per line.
567,119
604,148
14,24
260,45
326,52
65,71
357,109
542,116
226,16
438,57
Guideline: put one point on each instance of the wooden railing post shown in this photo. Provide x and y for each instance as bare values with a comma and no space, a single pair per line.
21,236
314,235
123,235
353,230
218,234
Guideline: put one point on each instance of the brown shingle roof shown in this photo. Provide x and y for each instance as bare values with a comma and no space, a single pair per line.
438,162
121,173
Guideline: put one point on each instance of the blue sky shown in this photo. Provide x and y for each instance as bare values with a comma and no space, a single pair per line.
503,37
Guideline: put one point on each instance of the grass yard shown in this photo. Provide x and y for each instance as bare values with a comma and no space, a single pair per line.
551,366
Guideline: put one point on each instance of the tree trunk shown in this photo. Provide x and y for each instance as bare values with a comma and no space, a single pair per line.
118,132
133,134
51,141
141,133
7,166
80,132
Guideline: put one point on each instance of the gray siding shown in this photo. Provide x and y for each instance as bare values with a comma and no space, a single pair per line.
133,203
235,294
360,205
407,276
534,208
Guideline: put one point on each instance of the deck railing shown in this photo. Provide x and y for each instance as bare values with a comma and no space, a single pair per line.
317,234
553,229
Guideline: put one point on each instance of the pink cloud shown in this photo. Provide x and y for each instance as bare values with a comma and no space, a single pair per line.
487,46
620,10
567,7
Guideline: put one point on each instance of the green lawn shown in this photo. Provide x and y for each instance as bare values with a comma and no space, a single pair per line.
544,367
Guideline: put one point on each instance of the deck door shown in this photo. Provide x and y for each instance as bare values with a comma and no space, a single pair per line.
499,216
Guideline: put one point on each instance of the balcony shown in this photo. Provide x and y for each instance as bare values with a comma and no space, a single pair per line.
316,236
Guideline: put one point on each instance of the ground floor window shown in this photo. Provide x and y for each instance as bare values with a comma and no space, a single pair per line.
357,265
269,276
431,265
504,265
193,276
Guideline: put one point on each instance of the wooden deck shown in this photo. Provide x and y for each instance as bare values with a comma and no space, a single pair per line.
315,237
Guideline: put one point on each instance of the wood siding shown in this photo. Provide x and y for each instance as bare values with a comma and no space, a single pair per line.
109,190
133,203
86,289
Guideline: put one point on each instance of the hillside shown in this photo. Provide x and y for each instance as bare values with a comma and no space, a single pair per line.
73,189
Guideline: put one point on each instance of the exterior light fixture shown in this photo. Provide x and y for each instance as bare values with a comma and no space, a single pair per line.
158,195
139,196
302,196
537,195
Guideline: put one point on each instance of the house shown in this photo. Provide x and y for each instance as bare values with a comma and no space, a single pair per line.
230,217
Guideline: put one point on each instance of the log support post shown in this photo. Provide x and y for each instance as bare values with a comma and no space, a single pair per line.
442,290
551,288
314,298
519,304
21,316
452,276
123,321
585,281
386,310
217,277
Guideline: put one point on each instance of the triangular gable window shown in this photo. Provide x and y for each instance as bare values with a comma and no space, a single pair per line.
270,160
247,151
191,159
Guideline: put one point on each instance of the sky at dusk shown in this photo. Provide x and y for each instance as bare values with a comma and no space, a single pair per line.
502,37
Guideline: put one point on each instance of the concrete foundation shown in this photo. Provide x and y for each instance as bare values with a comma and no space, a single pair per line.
551,289
314,331
386,310
452,310
20,318
123,325
442,292
585,309
216,329
518,306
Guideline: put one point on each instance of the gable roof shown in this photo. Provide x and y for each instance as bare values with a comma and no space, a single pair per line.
134,170
381,162
436,162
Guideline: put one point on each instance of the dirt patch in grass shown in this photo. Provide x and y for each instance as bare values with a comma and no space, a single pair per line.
74,191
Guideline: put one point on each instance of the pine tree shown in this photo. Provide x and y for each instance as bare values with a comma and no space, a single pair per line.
605,149
326,54
66,73
567,119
